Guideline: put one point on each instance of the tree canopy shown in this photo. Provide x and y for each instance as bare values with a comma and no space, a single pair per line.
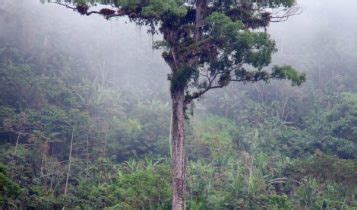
207,44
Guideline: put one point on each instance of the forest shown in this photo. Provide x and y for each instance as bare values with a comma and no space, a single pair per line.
87,120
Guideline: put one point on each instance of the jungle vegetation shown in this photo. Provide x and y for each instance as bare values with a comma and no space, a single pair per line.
82,128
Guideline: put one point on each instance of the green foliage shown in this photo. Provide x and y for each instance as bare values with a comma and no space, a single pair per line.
278,202
9,190
287,72
158,8
148,187
180,79
242,45
307,194
326,168
312,195
278,3
223,26
343,117
139,135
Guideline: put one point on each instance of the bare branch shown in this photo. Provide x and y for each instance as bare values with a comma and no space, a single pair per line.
284,14
106,12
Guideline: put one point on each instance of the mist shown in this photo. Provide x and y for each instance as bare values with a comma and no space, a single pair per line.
320,40
88,118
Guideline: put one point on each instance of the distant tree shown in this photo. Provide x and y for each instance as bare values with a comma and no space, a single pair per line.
207,44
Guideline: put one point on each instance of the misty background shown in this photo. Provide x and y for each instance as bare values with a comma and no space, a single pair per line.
320,41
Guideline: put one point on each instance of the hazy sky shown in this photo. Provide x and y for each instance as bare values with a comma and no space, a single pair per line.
122,51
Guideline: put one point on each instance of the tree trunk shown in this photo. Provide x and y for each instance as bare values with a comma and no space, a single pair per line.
17,142
201,7
69,165
178,150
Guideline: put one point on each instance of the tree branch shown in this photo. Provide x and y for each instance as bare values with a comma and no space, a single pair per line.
286,14
83,10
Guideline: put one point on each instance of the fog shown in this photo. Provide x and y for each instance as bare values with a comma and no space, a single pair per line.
320,41
85,116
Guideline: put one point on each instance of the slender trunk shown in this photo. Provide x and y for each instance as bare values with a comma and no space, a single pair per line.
17,142
105,145
87,155
170,136
42,163
51,184
178,150
69,164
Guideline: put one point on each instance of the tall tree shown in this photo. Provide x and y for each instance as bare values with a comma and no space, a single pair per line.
207,44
